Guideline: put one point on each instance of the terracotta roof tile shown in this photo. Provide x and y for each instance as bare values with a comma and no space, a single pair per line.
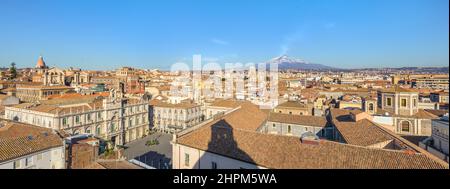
298,119
22,139
285,152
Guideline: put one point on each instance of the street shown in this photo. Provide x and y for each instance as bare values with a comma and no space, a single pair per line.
158,156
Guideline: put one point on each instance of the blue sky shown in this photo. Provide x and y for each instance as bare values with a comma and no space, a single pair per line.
106,34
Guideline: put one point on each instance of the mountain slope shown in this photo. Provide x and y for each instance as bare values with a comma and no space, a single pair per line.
284,62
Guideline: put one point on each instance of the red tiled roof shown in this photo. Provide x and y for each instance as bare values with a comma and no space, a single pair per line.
285,152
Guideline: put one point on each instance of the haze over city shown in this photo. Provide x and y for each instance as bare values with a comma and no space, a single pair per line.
155,34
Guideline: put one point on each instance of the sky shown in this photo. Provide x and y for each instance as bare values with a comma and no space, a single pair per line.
107,34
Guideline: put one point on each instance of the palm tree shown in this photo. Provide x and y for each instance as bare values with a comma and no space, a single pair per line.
13,71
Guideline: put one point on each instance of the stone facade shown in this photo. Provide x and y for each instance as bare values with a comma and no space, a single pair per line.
114,119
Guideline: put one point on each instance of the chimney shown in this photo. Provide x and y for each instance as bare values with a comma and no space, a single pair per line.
357,116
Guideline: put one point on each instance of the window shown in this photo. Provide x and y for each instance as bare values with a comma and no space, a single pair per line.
274,126
39,157
28,161
64,121
371,107
403,102
16,164
77,119
213,165
98,130
186,159
290,113
414,102
405,126
388,101
89,117
289,129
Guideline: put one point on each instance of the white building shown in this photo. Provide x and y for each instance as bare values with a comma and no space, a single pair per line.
437,144
172,117
24,146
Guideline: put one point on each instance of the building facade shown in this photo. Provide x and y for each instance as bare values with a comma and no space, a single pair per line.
296,125
437,143
170,118
114,119
33,93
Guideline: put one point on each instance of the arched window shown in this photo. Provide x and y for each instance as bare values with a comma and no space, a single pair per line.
405,126
112,127
98,130
77,119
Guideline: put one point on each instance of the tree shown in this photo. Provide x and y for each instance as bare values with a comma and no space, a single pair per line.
13,71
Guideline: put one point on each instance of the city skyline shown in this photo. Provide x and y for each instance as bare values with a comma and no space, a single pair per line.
106,35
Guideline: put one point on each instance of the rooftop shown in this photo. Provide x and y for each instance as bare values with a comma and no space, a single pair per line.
228,103
17,139
285,152
43,87
298,119
292,104
398,89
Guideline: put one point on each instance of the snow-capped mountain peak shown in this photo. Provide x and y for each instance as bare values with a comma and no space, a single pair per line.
286,59
285,62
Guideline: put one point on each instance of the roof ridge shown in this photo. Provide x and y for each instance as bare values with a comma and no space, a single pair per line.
413,146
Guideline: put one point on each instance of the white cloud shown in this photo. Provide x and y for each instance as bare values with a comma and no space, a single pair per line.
219,41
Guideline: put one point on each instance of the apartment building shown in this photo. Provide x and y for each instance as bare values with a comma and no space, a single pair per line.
172,117
432,82
437,143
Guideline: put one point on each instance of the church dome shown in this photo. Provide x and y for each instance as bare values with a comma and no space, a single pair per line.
40,63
